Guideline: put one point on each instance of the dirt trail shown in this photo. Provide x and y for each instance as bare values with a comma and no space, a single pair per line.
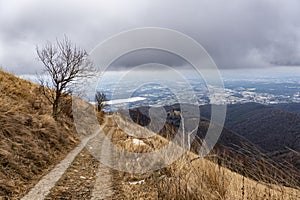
103,177
104,181
42,188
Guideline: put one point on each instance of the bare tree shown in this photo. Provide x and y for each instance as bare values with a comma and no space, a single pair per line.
100,98
63,62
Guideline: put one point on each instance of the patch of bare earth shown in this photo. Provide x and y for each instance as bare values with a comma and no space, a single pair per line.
78,181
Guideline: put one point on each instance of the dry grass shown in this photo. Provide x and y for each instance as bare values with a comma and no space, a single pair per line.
79,179
188,177
31,142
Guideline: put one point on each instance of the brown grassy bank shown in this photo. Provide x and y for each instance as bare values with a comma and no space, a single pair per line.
31,142
188,177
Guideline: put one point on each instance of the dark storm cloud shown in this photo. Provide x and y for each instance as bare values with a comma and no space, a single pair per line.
145,56
236,33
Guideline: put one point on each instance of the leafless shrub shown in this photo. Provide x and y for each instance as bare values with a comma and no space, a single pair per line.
100,98
64,63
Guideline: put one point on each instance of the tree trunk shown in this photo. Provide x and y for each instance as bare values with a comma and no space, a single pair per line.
55,110
55,105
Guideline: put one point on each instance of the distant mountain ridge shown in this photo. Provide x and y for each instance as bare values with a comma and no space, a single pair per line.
273,129
288,107
269,127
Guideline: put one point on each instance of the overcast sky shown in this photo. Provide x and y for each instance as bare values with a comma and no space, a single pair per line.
236,33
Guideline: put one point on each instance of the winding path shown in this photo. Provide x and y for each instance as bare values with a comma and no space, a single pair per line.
102,187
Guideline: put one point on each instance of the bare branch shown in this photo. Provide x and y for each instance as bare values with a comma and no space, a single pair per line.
64,63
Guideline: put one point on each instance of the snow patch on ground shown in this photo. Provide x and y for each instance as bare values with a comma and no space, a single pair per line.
138,142
136,182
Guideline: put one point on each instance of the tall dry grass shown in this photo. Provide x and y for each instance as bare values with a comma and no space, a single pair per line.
31,142
189,177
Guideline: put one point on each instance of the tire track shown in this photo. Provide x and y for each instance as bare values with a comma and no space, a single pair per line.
103,186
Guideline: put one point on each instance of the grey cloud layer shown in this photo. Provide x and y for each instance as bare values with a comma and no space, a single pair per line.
237,34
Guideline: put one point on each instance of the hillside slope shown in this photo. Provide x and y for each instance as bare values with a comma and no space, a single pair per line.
235,151
272,129
188,177
289,107
31,142
269,128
